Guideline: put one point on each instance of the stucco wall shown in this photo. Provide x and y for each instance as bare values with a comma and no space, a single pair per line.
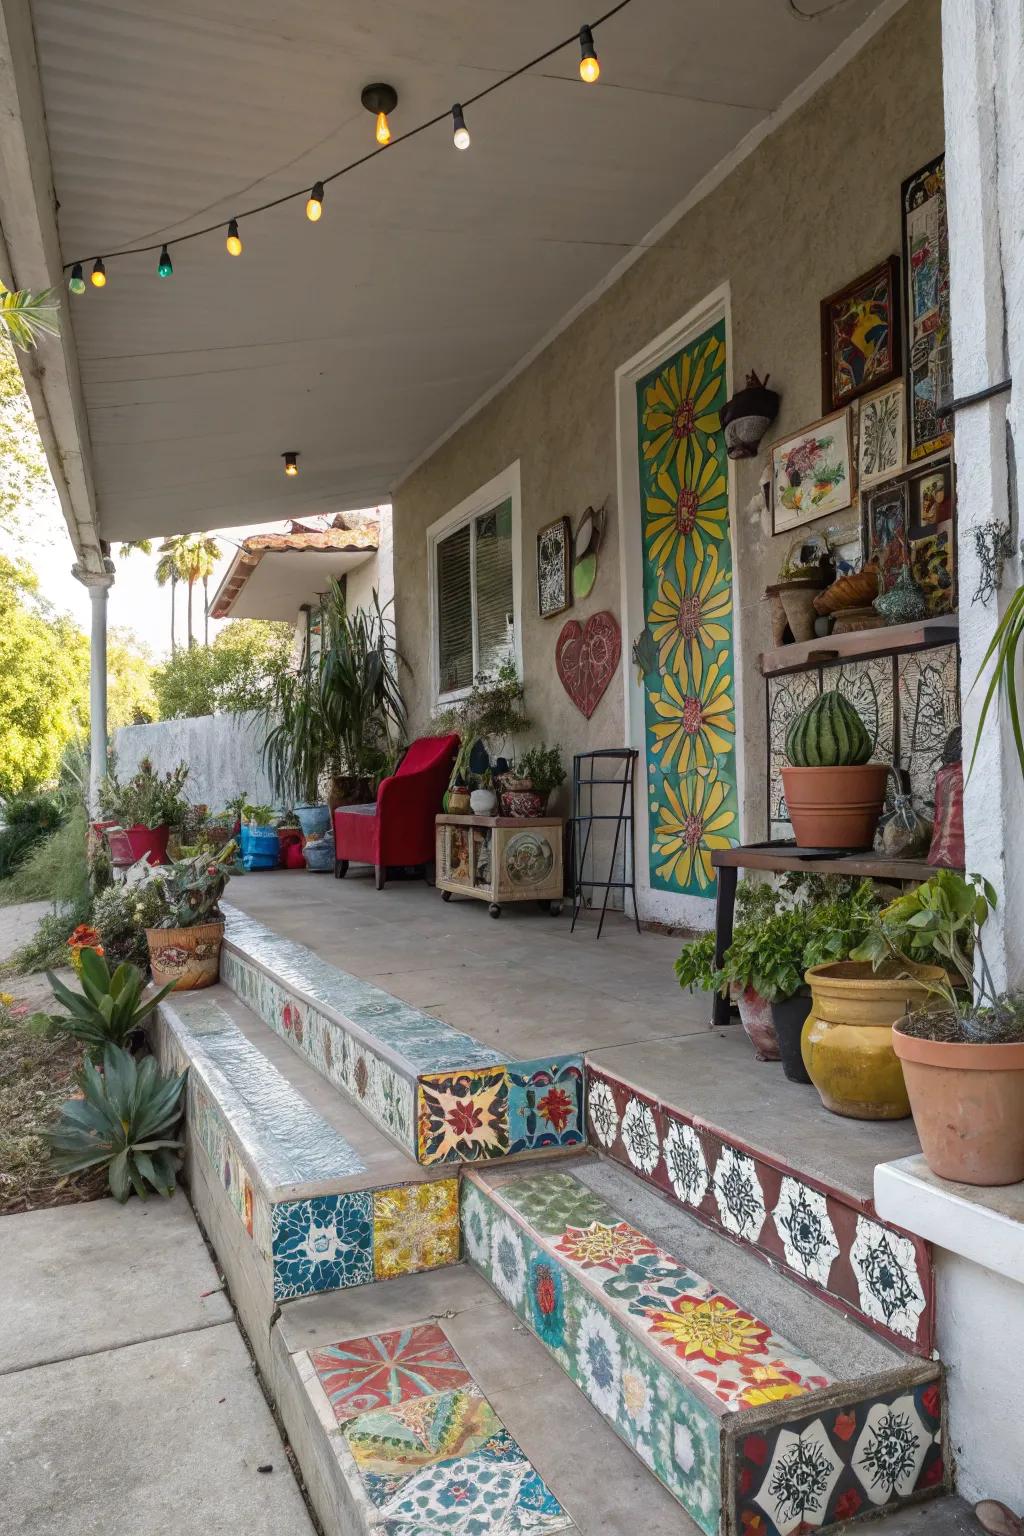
814,205
222,751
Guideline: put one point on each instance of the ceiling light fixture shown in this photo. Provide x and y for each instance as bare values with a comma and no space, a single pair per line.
380,99
291,466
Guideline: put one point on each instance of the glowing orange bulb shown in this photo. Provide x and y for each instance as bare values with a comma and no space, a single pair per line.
315,203
234,239
590,70
98,275
383,131
290,465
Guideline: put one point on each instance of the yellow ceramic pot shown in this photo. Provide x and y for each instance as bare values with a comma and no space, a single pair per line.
846,1042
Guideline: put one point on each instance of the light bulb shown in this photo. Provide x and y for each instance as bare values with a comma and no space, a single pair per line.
77,283
234,240
290,463
460,137
98,275
383,131
315,203
590,69
164,267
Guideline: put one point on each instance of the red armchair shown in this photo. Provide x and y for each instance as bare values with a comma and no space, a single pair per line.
399,827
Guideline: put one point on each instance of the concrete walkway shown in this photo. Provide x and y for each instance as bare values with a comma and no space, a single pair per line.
128,1401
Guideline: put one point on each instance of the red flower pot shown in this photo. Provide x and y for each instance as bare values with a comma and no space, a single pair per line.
147,843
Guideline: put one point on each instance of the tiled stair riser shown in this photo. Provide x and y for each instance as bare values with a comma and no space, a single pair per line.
440,1094
419,1446
700,1389
864,1267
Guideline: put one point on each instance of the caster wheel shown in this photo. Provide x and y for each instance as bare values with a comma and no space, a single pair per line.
555,908
494,909
446,895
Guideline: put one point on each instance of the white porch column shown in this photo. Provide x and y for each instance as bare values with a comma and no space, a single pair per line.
984,111
99,585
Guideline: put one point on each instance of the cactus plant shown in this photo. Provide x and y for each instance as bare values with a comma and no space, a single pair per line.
828,734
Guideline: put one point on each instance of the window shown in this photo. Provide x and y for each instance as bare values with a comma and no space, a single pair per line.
474,583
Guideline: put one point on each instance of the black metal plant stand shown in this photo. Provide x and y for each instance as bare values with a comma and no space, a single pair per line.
587,775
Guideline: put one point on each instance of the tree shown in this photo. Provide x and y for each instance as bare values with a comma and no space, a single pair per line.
235,673
167,571
23,472
131,699
44,682
193,556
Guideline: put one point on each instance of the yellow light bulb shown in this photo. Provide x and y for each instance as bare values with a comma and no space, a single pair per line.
383,131
315,202
98,275
291,469
234,239
590,70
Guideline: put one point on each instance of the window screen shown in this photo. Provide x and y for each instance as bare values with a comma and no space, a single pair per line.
454,611
475,618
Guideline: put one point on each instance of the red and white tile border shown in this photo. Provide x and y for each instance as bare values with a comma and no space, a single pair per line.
818,1236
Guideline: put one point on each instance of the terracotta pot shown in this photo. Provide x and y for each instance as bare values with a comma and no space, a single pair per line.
968,1105
756,1018
847,1043
835,807
788,1019
798,605
190,957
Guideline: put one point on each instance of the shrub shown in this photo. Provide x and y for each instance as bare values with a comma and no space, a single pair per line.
147,799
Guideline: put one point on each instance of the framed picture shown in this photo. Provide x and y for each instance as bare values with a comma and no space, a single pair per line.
881,445
812,473
554,543
931,499
860,335
886,542
932,562
926,279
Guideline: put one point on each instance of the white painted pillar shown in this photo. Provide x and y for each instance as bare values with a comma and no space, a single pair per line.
984,125
98,585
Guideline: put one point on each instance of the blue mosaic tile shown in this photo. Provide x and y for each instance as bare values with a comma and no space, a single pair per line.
545,1104
324,1244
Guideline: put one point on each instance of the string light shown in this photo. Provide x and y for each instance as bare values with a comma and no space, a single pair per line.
291,466
590,68
164,267
460,137
383,132
315,202
77,283
98,275
234,239
380,99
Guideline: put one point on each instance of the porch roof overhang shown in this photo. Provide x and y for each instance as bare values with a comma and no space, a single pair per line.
363,340
273,574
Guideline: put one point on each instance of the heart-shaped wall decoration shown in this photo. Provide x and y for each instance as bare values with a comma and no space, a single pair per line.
586,656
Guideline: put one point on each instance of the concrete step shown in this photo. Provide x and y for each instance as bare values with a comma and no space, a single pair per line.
732,1141
301,1193
443,1096
759,1407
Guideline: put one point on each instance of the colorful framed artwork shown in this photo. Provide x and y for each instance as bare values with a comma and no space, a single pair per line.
932,563
931,499
926,279
881,445
885,531
860,335
812,473
554,546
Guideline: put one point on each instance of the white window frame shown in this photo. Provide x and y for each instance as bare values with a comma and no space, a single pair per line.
504,487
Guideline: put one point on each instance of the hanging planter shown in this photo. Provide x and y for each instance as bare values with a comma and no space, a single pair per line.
747,417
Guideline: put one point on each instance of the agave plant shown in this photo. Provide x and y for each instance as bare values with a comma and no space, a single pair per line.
109,1010
125,1123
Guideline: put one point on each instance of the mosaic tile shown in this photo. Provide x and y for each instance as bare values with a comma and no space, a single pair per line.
464,1115
471,1496
818,1236
545,1104
323,1244
388,1368
415,1227
550,1201
394,1441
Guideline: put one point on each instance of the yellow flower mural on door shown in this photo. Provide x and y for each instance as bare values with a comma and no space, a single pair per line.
687,649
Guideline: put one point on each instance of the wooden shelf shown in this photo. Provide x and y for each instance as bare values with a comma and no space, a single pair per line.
804,654
779,857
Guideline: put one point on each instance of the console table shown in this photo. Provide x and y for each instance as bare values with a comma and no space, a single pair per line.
498,859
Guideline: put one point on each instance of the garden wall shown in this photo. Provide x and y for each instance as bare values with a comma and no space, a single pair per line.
222,751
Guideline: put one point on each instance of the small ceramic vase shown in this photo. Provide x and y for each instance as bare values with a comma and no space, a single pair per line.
905,602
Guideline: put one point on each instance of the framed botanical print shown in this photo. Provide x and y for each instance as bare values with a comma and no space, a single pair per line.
554,546
812,473
881,444
886,541
860,335
926,280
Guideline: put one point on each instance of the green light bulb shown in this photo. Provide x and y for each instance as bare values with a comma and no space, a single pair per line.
77,283
165,269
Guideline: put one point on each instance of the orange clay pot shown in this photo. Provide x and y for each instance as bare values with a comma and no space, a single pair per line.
968,1107
835,807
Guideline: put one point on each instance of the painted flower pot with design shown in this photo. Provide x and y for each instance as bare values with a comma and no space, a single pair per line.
756,1018
188,957
968,1106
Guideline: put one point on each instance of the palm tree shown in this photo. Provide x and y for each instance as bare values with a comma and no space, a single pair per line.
25,316
194,557
167,571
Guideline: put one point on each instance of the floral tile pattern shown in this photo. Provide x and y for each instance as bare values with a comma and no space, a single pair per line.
429,1450
834,1465
463,1116
545,1104
323,1244
415,1227
819,1236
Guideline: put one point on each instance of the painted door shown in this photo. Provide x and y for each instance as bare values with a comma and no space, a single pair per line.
685,653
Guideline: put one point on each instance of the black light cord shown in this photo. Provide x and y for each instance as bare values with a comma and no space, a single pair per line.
303,192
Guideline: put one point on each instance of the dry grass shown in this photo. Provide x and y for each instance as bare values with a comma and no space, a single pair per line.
36,1077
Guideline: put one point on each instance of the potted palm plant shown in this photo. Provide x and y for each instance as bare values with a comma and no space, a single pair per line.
141,811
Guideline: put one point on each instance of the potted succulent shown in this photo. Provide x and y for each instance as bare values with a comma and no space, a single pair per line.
834,794
543,768
110,1010
185,941
962,1051
142,811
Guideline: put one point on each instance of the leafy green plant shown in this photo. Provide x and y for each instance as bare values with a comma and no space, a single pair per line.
147,799
544,768
1004,650
493,709
122,913
840,923
188,891
695,966
125,1122
26,315
109,1010
769,956
257,815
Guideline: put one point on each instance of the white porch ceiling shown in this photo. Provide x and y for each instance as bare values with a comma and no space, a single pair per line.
360,340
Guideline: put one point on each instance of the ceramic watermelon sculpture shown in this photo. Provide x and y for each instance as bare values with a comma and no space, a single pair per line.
834,794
